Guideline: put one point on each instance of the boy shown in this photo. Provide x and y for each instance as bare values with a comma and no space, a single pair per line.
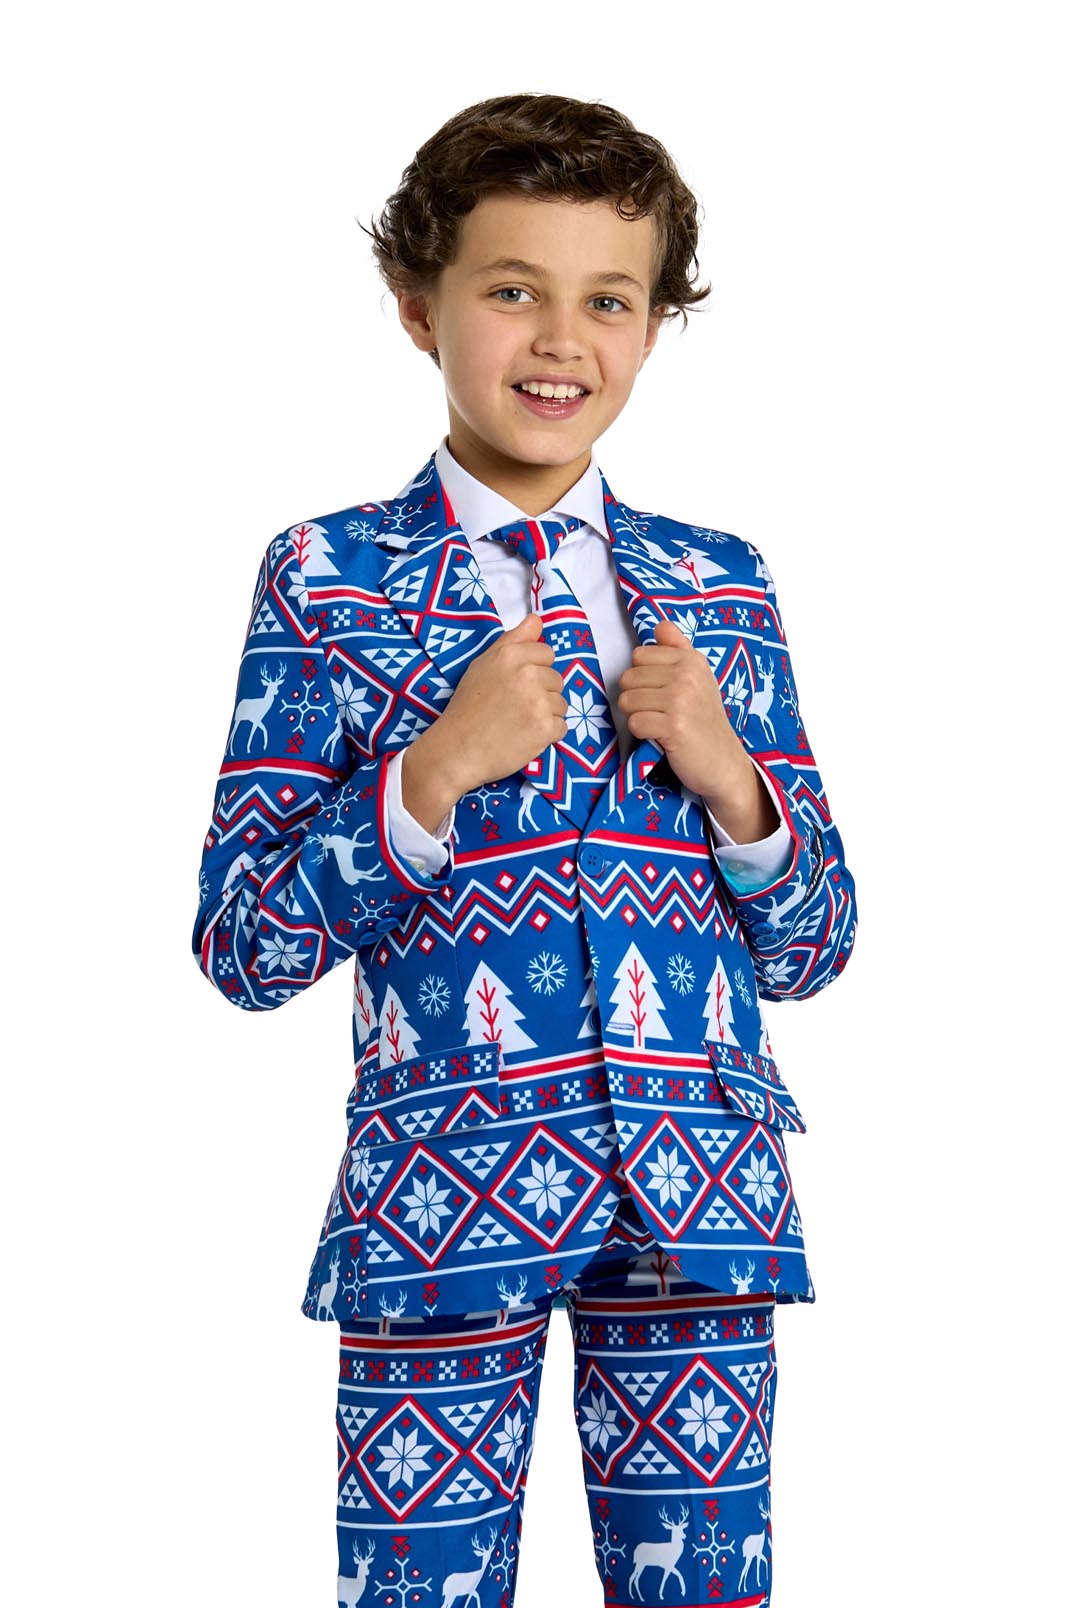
534,760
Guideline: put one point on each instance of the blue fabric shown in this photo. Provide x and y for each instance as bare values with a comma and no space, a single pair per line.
565,1011
674,1389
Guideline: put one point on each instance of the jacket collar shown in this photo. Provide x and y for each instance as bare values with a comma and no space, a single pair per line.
436,585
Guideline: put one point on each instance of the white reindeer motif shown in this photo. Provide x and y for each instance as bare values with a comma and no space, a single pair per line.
328,1290
525,804
742,1280
389,1311
761,700
753,1549
465,1581
350,1588
662,1553
513,1297
253,709
793,900
343,848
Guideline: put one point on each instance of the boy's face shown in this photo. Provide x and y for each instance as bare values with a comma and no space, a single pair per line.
563,315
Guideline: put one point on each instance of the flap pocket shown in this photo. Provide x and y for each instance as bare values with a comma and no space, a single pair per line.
446,1092
753,1086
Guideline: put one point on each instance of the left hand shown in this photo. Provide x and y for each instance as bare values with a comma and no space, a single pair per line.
670,695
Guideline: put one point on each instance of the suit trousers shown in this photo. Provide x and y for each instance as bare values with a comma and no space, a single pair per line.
674,1385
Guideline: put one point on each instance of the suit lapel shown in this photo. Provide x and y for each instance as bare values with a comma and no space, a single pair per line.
436,585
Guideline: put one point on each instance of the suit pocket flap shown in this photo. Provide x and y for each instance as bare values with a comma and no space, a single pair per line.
753,1086
449,1091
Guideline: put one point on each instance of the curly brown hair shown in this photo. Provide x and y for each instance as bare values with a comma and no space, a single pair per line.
549,147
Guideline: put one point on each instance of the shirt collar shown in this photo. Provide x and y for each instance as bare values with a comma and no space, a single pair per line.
479,509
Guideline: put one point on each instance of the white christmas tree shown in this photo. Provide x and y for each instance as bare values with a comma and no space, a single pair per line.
313,550
491,1014
717,1012
397,1039
639,1008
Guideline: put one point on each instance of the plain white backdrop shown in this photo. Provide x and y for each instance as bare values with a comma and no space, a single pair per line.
882,397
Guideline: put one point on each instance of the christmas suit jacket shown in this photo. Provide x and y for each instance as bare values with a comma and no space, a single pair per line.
560,1015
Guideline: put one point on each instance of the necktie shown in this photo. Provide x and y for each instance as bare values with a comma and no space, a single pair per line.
574,771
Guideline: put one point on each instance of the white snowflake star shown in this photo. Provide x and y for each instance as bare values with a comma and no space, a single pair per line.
598,1421
403,1457
508,1437
760,1181
586,715
287,955
427,1205
667,1178
705,1420
352,701
547,1188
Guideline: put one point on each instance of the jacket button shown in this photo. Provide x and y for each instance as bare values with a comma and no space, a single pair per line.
590,860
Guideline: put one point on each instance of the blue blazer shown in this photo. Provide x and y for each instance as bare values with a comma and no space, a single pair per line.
561,1015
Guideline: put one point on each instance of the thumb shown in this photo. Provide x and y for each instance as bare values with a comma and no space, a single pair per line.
531,625
674,637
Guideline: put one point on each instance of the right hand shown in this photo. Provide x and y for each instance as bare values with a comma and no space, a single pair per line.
507,708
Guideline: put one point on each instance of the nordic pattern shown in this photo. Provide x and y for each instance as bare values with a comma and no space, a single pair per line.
674,1387
564,1012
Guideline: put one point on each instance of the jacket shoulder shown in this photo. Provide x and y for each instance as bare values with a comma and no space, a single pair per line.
732,559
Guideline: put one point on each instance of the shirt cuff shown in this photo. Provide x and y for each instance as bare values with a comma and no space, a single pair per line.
752,865
422,849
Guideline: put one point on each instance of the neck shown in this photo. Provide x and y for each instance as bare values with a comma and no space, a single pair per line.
532,487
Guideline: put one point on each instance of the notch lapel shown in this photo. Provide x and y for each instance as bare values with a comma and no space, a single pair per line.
435,584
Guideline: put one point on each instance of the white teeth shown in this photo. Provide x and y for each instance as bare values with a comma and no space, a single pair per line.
543,388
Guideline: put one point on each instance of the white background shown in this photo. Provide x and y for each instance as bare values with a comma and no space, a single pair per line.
882,397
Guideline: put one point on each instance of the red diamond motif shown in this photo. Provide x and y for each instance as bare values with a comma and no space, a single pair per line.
480,933
629,915
678,921
650,871
505,881
540,920
287,794
427,943
566,868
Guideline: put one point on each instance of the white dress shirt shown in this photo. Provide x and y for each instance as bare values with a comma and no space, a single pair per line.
585,558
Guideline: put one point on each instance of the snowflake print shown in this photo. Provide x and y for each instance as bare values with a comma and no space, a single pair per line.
546,973
360,530
547,1188
427,1204
759,1183
468,584
715,536
586,715
508,1437
680,974
705,1419
742,987
599,1421
787,701
434,995
668,1177
404,1457
352,701
287,955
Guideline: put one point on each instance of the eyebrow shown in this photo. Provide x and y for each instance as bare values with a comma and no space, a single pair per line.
517,265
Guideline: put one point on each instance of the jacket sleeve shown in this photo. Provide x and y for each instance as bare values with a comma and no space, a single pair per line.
800,927
299,869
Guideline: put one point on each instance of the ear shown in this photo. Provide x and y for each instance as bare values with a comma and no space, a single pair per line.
415,314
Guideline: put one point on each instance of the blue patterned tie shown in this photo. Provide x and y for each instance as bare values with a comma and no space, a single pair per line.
574,771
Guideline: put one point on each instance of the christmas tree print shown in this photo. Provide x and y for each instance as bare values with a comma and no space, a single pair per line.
397,1039
719,1022
491,1013
639,1009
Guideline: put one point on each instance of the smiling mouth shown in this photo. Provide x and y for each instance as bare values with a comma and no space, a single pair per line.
557,406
